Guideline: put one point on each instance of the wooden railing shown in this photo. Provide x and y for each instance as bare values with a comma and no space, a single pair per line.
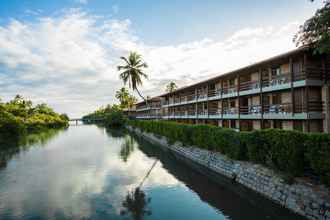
278,108
247,85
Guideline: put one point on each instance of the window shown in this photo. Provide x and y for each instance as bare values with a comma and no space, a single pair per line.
232,82
232,104
276,71
276,99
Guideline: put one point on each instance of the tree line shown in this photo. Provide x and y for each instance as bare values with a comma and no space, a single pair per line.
19,116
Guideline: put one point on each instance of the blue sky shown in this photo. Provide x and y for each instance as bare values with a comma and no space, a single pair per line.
64,52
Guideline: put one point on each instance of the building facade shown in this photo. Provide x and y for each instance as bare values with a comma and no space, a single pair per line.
149,110
289,91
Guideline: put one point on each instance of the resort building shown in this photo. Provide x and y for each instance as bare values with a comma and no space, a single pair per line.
150,109
289,91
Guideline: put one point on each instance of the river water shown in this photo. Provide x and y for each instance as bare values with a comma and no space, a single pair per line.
89,172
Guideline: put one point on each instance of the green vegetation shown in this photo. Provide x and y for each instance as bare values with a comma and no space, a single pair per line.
132,72
289,151
11,146
19,117
316,30
126,100
171,87
111,116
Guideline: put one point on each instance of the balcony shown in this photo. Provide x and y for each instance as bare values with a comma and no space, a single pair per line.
202,97
229,92
277,82
214,94
230,113
249,87
250,112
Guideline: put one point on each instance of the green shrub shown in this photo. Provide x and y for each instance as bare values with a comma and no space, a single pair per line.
318,155
115,119
287,151
11,126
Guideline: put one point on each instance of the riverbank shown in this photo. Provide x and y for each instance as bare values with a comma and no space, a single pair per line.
19,117
305,199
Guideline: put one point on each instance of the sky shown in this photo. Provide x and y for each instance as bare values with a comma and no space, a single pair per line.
65,52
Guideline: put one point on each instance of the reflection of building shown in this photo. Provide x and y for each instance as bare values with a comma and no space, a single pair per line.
289,91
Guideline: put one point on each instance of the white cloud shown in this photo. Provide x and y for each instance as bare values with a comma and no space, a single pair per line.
70,60
69,191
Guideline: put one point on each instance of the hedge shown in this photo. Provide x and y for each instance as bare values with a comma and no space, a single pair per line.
292,152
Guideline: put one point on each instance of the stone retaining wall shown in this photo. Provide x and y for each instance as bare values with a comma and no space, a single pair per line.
305,199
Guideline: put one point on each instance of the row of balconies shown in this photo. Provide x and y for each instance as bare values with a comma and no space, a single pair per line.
282,81
277,111
149,107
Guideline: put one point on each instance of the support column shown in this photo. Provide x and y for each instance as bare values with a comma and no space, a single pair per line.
326,110
196,103
261,99
326,98
307,107
239,102
291,85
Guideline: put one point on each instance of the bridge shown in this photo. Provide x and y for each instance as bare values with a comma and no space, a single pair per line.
76,120
88,120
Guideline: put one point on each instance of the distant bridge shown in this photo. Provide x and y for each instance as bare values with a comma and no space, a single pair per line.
88,120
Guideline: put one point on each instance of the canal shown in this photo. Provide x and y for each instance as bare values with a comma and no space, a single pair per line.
89,172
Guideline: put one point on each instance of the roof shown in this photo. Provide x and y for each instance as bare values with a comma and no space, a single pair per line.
263,62
153,99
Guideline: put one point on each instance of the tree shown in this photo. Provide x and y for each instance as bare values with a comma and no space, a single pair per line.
131,100
171,87
132,72
316,31
126,100
122,95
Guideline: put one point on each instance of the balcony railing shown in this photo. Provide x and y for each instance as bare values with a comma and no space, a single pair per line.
278,108
229,90
251,109
230,111
248,85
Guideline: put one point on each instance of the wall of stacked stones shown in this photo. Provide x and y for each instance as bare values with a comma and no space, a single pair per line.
305,199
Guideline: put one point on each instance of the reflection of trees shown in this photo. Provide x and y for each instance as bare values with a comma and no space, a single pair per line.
136,203
116,133
11,146
127,148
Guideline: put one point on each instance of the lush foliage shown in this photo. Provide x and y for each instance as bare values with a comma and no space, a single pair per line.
19,116
171,87
316,30
126,100
115,118
111,116
289,151
132,71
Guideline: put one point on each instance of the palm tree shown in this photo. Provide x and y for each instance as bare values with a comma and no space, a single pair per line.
132,72
122,95
171,87
131,100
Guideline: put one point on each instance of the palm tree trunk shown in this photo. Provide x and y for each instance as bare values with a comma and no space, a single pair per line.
148,173
146,100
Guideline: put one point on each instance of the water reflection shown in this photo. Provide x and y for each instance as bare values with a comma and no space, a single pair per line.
135,204
127,148
11,146
81,174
